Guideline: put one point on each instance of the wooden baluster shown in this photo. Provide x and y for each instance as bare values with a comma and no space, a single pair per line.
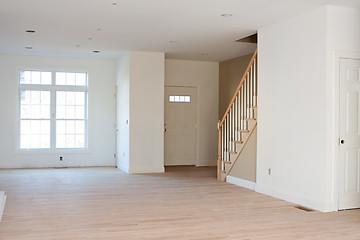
250,91
255,81
236,119
225,136
228,138
233,127
243,106
239,114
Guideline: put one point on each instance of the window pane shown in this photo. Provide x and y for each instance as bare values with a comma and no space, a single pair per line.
60,112
25,111
79,141
60,98
70,98
79,112
171,98
35,104
79,127
60,141
187,98
70,112
70,127
71,79
60,78
70,105
35,77
46,78
34,134
25,127
70,141
60,127
80,98
81,79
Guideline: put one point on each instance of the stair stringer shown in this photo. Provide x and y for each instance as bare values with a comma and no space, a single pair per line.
235,156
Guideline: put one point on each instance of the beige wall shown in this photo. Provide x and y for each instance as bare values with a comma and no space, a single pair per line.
230,74
245,166
205,77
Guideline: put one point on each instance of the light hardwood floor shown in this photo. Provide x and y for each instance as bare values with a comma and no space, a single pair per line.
184,203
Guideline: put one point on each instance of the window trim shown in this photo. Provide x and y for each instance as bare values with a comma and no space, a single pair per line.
53,88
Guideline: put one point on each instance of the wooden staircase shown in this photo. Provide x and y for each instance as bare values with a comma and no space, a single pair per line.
239,121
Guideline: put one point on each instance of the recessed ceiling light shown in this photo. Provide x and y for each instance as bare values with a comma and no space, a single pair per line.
77,45
29,48
226,15
90,38
99,29
204,54
96,51
30,31
173,41
114,3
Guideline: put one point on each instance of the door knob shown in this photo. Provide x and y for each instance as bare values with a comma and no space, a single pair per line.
342,141
164,129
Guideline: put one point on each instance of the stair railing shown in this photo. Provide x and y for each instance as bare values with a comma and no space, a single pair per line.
240,109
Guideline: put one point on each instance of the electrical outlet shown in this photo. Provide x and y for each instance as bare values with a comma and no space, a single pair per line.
61,158
269,171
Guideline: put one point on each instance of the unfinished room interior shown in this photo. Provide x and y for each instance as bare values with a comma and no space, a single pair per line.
180,119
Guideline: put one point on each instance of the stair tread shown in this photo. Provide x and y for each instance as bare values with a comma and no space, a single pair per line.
239,142
233,152
227,162
246,131
251,119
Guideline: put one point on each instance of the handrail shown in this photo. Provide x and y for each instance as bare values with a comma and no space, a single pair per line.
238,88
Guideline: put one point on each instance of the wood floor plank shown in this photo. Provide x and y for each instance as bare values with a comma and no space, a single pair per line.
183,203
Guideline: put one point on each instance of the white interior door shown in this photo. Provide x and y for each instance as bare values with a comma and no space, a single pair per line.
349,166
180,126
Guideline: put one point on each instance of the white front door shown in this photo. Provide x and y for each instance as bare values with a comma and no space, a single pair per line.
180,126
349,166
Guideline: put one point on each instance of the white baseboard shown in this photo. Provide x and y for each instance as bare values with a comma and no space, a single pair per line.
292,197
241,182
2,203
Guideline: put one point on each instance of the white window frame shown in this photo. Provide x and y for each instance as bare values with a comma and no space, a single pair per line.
53,89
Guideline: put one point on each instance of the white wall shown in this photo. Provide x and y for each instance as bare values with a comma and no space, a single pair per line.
146,112
298,104
204,76
123,112
343,39
292,109
101,112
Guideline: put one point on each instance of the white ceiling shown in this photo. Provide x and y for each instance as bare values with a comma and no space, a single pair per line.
77,27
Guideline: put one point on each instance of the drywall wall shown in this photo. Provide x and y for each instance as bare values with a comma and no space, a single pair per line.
205,77
245,166
292,110
123,112
101,113
343,40
146,112
230,74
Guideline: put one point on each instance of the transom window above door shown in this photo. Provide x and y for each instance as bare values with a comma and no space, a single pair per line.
180,99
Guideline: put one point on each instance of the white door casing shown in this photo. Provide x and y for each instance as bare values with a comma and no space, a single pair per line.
180,126
349,165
